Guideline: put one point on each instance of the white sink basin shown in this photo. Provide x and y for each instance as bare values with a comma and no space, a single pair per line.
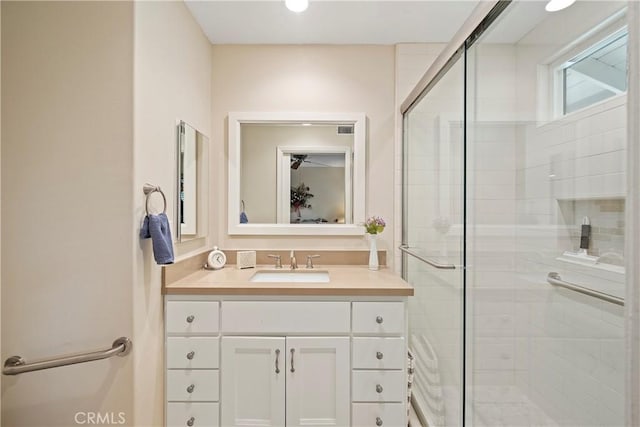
291,276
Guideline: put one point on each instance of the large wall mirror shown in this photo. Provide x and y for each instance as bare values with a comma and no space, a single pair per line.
296,173
192,184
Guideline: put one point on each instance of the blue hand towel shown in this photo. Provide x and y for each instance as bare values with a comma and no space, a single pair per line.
243,218
157,228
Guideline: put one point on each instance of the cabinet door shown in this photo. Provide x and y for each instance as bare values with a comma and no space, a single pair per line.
253,381
318,381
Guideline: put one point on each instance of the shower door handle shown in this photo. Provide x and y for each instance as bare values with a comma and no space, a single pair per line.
433,263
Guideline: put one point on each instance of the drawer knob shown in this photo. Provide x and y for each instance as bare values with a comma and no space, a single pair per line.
379,388
191,421
379,355
191,318
379,319
378,421
190,355
191,388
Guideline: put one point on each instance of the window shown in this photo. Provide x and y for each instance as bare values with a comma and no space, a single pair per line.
596,74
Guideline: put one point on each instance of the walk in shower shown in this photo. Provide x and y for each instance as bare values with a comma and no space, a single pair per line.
514,184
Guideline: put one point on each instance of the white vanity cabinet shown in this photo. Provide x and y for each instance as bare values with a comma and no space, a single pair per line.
290,361
192,387
292,381
254,380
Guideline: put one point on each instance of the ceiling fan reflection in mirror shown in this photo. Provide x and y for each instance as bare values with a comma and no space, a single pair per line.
298,159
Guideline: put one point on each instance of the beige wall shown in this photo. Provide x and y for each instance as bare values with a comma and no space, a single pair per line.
67,164
307,78
172,82
258,175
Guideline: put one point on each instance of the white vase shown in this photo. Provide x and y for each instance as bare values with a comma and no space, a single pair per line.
373,252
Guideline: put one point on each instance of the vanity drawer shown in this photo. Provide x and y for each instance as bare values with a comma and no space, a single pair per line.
192,317
181,414
245,317
378,318
379,353
202,383
379,414
379,386
193,353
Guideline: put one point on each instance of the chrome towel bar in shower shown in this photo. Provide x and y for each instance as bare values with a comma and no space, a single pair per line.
433,263
554,279
15,365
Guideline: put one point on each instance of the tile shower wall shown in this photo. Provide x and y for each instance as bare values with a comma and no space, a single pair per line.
573,344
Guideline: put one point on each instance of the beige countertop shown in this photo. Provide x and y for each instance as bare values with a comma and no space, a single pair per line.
343,281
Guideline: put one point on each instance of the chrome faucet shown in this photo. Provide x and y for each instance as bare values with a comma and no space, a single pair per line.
294,263
310,260
278,260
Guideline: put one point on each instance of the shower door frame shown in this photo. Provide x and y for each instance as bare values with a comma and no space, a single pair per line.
632,221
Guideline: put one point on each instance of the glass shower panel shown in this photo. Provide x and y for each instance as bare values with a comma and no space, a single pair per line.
432,246
545,224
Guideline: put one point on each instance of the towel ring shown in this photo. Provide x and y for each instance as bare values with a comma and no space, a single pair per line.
148,191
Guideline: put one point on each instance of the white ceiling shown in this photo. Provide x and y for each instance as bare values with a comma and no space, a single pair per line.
330,21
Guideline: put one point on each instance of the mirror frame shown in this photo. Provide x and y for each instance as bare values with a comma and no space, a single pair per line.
237,119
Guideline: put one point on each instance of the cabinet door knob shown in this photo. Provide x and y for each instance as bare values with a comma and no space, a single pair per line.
378,388
191,318
191,388
292,353
190,355
379,355
191,421
379,319
277,361
378,421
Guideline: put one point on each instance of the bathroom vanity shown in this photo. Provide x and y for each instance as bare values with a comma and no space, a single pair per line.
295,353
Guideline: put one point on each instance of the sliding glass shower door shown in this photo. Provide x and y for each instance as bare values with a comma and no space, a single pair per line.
514,222
546,126
433,245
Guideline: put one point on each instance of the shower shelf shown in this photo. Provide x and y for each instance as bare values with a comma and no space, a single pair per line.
611,268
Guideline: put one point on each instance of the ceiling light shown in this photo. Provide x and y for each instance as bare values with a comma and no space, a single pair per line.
556,5
306,124
298,5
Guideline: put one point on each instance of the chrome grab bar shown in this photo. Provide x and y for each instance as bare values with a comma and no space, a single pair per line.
15,365
405,249
554,279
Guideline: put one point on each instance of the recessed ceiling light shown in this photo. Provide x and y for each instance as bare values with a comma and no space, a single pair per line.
556,5
297,5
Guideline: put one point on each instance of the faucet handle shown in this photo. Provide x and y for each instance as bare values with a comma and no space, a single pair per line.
310,260
278,259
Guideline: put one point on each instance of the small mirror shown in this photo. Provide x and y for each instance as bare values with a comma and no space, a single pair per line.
297,174
192,184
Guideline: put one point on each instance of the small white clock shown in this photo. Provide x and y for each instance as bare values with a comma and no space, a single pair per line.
216,260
